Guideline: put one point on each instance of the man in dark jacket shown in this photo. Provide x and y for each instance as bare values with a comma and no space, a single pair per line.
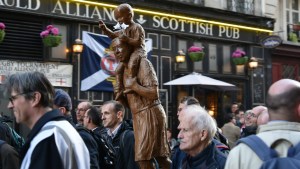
197,129
9,157
93,122
52,141
120,133
62,101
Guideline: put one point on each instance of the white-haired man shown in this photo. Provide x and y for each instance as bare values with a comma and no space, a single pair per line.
197,129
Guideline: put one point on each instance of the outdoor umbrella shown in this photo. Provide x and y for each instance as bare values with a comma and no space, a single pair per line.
204,81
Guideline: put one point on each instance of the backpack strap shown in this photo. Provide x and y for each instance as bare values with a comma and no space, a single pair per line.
259,147
294,151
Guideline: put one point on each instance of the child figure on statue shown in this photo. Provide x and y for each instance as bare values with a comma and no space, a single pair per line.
134,35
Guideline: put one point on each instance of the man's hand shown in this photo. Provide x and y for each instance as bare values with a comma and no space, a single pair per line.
102,25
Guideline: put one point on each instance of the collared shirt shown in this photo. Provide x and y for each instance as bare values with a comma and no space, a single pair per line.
113,134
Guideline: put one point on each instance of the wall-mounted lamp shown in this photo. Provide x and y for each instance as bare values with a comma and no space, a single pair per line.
253,63
180,58
78,46
211,113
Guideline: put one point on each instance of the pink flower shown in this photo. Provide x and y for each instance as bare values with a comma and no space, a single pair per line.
238,53
195,49
49,27
55,31
2,26
50,30
44,33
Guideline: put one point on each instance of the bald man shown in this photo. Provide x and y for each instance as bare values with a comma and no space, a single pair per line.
263,118
281,132
251,117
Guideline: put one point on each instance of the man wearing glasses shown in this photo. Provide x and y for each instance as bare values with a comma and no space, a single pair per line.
80,112
251,120
52,141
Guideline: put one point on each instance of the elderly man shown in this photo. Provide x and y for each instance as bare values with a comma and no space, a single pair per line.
197,129
251,120
280,133
149,117
52,142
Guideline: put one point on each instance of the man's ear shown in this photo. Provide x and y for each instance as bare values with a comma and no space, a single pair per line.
203,135
120,114
62,110
36,98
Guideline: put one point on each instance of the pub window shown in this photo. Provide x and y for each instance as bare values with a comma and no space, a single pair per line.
198,66
182,46
154,61
289,71
292,19
212,48
59,52
166,71
154,37
226,59
165,42
292,11
257,52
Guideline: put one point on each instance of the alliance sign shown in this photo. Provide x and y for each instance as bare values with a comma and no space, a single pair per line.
83,11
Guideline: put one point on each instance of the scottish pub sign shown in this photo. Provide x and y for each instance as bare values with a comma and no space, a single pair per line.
84,12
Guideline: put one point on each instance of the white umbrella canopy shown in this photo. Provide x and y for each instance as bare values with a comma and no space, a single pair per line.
204,81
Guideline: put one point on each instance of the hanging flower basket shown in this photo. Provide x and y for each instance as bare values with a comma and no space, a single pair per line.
196,54
51,36
2,35
2,31
52,41
240,61
239,57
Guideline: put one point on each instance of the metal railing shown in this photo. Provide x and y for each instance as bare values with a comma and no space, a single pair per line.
293,32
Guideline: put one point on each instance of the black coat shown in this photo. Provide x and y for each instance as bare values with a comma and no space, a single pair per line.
46,154
9,158
91,145
209,158
124,146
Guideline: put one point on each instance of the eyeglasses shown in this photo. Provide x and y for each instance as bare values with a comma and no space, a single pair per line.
12,98
251,114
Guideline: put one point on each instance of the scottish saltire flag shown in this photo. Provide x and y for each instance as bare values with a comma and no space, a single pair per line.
98,63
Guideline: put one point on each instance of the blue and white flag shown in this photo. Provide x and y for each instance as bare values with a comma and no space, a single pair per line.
98,63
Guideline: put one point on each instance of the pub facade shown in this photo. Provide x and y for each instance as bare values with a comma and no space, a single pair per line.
172,26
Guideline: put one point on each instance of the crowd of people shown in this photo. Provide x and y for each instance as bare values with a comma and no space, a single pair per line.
56,140
100,137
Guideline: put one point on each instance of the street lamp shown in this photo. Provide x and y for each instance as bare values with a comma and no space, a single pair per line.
77,46
180,58
253,63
